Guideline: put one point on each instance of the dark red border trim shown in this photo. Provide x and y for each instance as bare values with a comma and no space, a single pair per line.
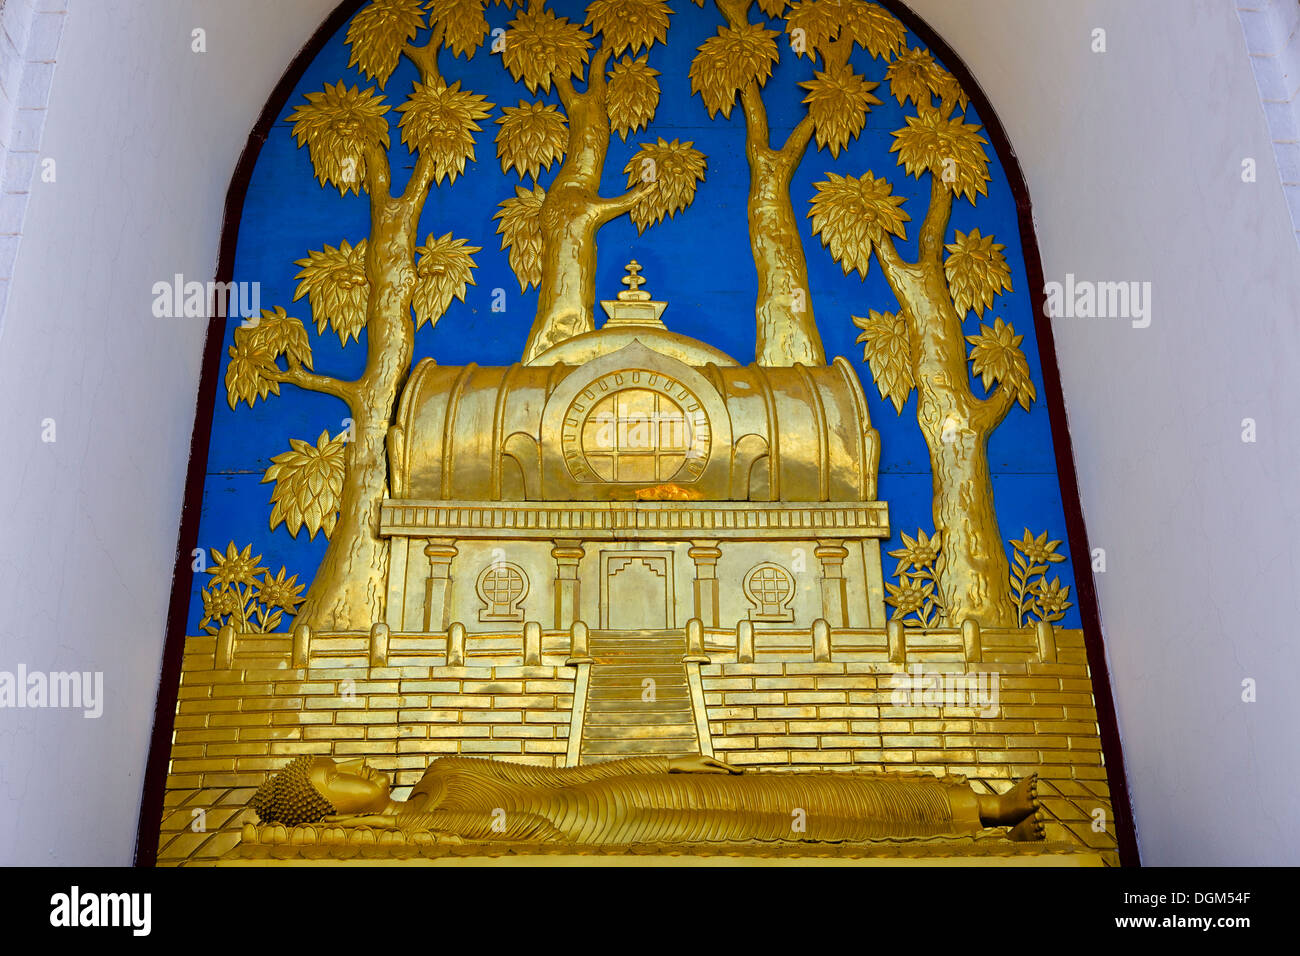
151,808
151,805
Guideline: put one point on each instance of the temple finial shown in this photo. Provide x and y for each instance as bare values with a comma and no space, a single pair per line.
634,280
633,305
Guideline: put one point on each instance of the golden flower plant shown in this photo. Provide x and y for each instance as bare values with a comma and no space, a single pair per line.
380,31
308,484
551,233
335,284
521,232
917,579
385,284
532,137
633,95
235,596
977,272
1034,595
674,169
445,269
887,349
629,25
342,128
838,102
439,121
732,60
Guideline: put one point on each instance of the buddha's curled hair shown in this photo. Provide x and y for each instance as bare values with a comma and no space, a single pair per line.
288,797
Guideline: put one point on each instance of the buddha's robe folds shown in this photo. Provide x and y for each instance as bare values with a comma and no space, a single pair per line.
638,801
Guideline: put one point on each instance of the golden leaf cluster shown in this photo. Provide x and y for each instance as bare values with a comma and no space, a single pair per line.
440,121
838,102
674,169
531,138
541,47
770,8
916,76
996,356
521,233
339,126
463,24
977,272
444,269
336,286
950,149
308,484
633,95
887,349
629,24
811,24
874,28
378,33
279,332
853,214
250,375
729,62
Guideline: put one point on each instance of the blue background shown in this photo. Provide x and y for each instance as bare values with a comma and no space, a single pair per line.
699,262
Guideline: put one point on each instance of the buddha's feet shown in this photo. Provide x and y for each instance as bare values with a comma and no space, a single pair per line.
1019,808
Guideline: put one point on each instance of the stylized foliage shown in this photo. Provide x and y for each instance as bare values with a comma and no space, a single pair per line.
378,33
236,597
521,233
463,24
675,169
996,356
950,149
338,126
248,374
308,484
335,283
838,102
541,47
917,578
281,334
887,349
445,268
852,215
730,61
531,138
441,120
873,28
770,8
917,77
236,567
281,593
977,272
811,24
918,554
629,24
633,95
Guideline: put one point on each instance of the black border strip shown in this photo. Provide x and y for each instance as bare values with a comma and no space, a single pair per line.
151,807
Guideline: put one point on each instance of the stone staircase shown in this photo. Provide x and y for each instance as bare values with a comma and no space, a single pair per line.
623,717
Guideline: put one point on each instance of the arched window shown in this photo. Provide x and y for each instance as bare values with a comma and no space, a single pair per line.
502,588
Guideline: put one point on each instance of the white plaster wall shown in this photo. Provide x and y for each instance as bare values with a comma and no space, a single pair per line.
1134,164
146,135
1133,159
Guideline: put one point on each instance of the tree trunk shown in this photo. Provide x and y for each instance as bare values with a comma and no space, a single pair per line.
570,218
972,568
787,332
349,589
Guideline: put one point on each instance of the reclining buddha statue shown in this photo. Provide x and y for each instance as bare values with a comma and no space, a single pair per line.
643,800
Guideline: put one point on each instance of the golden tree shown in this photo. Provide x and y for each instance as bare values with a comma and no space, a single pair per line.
923,345
386,284
737,63
551,233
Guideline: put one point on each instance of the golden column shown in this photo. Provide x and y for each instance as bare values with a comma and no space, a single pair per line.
705,554
567,554
835,599
437,589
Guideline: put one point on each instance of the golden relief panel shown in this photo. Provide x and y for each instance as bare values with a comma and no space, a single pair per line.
626,594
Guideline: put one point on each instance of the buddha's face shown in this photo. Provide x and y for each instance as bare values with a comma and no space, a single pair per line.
350,786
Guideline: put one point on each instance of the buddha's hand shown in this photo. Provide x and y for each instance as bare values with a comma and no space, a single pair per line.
697,763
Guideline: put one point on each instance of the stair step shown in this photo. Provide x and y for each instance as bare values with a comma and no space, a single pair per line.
651,732
625,718
665,745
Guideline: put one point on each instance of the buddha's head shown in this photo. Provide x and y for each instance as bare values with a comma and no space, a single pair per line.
311,788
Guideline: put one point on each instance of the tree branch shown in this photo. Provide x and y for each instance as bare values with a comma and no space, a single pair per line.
378,176
935,227
421,179
797,143
297,375
990,412
607,209
564,87
425,57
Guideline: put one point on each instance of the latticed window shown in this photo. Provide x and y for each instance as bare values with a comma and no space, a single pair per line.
636,435
502,588
770,588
